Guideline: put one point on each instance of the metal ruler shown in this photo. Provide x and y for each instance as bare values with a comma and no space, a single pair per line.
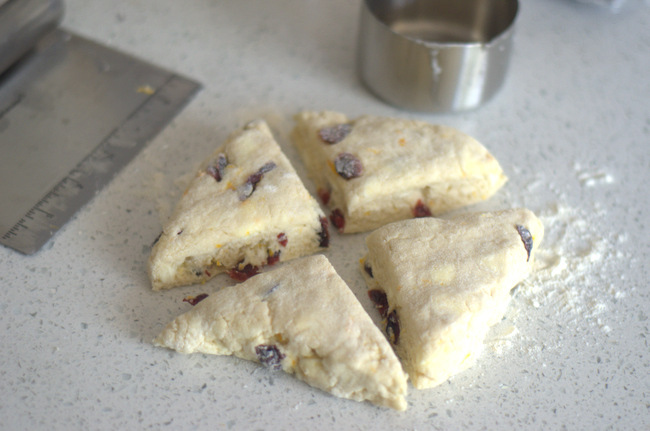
71,117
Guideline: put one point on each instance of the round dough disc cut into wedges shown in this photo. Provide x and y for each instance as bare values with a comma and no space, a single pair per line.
441,284
374,170
301,318
245,208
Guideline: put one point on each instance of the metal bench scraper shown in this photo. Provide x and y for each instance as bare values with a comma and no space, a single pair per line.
72,114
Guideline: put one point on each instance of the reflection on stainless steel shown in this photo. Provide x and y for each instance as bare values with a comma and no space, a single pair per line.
82,111
435,55
72,114
612,5
22,23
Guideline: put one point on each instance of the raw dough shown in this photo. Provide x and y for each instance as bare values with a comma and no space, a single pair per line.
375,170
301,318
245,208
445,283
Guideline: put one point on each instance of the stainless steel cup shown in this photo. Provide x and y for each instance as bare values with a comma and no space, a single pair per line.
435,55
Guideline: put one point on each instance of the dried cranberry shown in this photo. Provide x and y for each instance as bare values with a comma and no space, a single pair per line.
273,258
338,219
324,195
368,269
247,189
193,300
324,234
266,167
334,134
378,297
348,166
269,356
270,291
421,210
282,239
243,274
155,241
392,327
526,238
257,176
217,168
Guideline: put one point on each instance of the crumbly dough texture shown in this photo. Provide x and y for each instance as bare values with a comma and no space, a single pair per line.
245,206
404,161
448,282
308,313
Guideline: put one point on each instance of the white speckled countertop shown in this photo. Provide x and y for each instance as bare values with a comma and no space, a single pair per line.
571,129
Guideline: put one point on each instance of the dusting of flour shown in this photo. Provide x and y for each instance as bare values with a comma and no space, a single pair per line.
574,273
574,280
570,275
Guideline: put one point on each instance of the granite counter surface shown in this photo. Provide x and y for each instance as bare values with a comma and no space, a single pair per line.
571,128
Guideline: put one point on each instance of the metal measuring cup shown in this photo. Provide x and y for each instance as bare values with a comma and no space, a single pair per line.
435,55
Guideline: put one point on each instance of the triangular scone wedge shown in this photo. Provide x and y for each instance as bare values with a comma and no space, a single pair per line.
301,318
245,208
375,170
441,284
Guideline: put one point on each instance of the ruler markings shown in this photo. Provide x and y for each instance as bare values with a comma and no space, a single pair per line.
99,167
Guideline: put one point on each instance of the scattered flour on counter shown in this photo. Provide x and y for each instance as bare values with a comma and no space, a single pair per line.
574,265
500,337
577,272
590,179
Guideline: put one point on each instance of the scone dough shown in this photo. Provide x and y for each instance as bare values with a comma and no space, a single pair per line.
245,208
301,318
445,283
376,170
